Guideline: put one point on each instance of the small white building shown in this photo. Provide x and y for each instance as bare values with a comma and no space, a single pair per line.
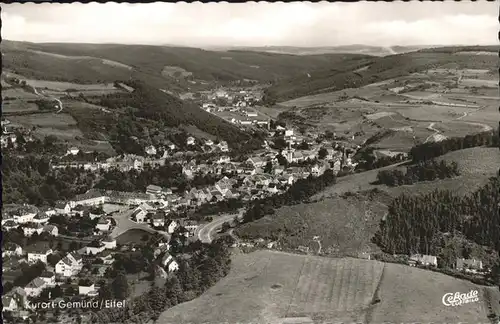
171,226
49,278
169,263
73,150
109,243
150,150
190,140
423,259
94,248
35,287
63,208
51,229
38,254
103,225
70,265
87,290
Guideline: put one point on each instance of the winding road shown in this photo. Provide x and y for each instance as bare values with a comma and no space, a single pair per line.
206,232
51,97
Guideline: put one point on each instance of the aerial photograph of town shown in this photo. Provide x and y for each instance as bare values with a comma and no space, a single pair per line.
250,163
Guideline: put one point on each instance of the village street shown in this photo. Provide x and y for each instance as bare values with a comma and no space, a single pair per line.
206,232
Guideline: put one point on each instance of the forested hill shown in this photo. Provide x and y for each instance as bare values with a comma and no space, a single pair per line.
419,224
360,72
90,63
154,104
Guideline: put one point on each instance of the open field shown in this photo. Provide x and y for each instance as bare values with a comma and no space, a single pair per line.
18,93
45,120
433,96
103,61
11,106
62,86
410,295
273,287
476,160
267,287
475,164
5,85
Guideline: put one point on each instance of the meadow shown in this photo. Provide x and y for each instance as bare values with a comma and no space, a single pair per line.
16,106
272,287
45,120
64,86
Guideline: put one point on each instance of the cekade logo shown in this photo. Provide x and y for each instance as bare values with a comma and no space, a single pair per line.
456,299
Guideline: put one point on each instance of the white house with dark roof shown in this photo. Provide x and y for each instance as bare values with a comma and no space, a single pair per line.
35,287
424,259
190,140
171,226
63,207
158,219
49,278
90,198
150,150
109,243
48,210
70,265
87,290
51,229
9,224
469,265
94,248
38,253
23,214
41,218
103,225
169,263
73,150
153,190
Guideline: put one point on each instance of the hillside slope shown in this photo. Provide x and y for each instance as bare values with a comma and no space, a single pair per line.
274,287
353,74
84,61
150,105
346,49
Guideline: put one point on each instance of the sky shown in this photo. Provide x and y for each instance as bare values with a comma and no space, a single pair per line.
256,24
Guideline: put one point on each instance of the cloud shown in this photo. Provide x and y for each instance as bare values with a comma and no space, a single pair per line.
255,24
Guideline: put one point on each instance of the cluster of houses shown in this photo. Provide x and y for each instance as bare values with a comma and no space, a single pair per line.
472,266
30,218
69,267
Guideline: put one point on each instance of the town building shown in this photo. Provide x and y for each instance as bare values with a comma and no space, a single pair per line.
38,253
70,265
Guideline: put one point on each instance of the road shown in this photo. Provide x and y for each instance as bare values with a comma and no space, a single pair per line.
206,232
53,98
124,223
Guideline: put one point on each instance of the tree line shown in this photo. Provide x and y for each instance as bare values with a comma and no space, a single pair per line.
430,150
429,170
